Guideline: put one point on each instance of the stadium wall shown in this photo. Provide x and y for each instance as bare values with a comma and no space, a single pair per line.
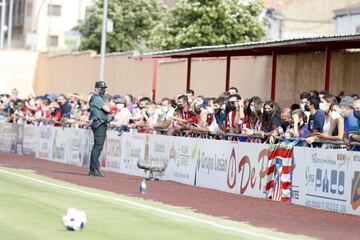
327,179
252,75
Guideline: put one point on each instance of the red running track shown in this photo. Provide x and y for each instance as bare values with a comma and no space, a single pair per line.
258,212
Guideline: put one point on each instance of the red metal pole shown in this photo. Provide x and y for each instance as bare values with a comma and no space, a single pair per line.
188,79
155,67
273,76
328,68
228,65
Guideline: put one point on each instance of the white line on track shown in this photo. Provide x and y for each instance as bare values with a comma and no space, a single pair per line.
155,209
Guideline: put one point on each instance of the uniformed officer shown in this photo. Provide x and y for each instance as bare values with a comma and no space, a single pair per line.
99,111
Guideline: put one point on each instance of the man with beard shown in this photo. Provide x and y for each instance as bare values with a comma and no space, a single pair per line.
99,111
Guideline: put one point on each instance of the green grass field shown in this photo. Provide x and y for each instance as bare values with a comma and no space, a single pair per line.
31,207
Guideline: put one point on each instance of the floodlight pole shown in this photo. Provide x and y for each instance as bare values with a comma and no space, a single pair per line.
2,33
103,40
11,10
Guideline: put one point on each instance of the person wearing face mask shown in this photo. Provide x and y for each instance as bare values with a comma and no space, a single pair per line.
122,115
335,131
250,115
303,101
187,117
355,136
166,116
234,112
99,111
324,106
270,122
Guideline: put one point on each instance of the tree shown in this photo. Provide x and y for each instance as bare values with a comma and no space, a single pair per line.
132,20
209,22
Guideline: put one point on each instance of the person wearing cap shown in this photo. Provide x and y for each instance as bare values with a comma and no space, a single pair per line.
123,114
347,112
99,111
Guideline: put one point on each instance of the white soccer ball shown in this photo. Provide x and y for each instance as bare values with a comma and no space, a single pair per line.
74,219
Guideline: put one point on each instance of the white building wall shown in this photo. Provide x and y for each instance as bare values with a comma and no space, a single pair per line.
44,25
348,24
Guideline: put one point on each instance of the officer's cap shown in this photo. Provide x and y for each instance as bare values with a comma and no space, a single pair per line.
100,84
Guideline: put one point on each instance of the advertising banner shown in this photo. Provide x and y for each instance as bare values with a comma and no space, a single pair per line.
8,139
59,145
355,184
30,140
180,156
326,181
73,146
112,159
87,141
216,166
45,142
298,173
133,146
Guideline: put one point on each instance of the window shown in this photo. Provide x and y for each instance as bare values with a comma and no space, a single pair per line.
53,41
358,29
54,10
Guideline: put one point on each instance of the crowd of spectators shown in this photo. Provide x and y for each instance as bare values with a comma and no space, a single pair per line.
316,117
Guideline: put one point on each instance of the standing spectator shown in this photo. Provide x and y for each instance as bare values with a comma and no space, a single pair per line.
286,119
129,102
356,136
316,119
233,90
167,114
234,113
64,106
350,121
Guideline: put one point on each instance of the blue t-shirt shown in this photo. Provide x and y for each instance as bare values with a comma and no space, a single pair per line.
316,121
350,123
66,110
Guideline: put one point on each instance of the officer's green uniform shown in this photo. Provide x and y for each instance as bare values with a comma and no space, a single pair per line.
99,126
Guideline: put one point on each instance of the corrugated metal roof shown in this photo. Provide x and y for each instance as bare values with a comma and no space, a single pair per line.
316,43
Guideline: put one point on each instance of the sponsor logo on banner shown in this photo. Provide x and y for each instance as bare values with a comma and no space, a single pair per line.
326,179
355,193
30,140
231,177
181,154
45,140
253,175
113,150
59,145
74,145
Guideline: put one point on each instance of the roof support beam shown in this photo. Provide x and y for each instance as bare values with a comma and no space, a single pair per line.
188,79
273,76
228,67
328,68
154,79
